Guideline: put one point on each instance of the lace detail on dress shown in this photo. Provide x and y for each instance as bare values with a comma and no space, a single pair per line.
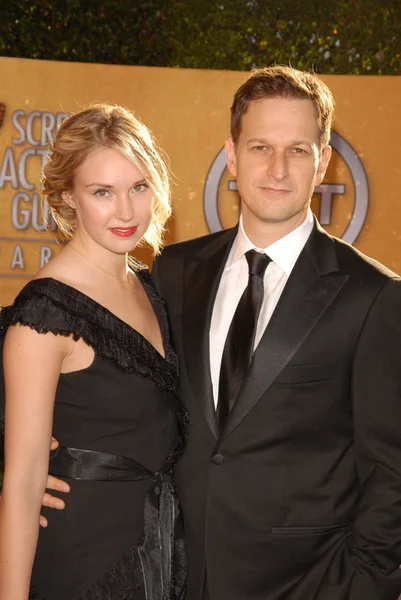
50,305
120,582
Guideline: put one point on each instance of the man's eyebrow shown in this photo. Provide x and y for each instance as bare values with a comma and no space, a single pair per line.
258,140
290,143
301,142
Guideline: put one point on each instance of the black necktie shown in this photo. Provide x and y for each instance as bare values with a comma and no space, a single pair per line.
238,348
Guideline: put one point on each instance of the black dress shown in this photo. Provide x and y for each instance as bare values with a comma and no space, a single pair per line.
106,543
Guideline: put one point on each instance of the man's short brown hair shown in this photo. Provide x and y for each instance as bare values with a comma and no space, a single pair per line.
284,82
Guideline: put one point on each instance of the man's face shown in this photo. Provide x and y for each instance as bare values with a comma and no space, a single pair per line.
277,162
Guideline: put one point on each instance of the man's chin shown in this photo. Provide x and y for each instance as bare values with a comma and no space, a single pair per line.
279,218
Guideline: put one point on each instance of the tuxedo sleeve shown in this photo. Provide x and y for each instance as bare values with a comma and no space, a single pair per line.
155,274
376,393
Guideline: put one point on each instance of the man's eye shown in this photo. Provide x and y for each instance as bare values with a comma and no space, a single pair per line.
298,151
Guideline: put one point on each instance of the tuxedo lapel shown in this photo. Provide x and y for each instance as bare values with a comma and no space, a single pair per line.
312,286
203,271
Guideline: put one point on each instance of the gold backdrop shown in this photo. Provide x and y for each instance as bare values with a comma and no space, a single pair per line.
188,111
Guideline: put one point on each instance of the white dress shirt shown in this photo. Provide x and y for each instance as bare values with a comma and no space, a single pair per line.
284,254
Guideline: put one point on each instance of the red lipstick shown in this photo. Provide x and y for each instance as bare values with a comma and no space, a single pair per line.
123,232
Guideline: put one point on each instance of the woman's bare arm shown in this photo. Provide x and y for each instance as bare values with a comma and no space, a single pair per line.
32,365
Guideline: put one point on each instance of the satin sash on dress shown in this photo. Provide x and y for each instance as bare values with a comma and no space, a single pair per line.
162,548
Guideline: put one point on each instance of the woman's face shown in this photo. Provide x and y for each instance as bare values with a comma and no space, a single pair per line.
112,200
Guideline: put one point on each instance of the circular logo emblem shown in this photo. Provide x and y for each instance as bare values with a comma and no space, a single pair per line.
355,217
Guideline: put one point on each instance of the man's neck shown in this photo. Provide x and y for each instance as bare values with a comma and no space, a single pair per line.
264,234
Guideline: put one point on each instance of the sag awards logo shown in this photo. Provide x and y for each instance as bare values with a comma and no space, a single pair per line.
346,219
24,217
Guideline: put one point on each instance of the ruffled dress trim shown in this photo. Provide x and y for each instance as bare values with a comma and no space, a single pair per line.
50,305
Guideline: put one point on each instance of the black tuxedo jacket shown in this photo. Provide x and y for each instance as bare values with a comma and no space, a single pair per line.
300,497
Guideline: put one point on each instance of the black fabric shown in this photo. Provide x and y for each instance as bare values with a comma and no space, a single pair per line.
303,503
49,305
125,403
162,549
238,347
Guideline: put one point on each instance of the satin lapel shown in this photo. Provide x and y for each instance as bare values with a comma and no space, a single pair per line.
202,276
314,283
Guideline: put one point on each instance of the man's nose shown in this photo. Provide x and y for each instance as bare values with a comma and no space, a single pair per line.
277,166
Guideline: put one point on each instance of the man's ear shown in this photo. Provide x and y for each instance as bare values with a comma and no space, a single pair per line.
323,164
68,198
231,156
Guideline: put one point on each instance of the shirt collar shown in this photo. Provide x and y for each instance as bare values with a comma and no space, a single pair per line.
284,252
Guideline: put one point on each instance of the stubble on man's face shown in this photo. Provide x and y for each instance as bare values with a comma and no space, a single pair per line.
277,162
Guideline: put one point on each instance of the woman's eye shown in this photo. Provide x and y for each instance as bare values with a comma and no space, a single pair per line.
140,187
101,193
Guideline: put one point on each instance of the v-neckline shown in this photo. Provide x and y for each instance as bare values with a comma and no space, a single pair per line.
118,319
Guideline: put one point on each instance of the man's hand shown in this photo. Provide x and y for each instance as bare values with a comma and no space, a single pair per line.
53,484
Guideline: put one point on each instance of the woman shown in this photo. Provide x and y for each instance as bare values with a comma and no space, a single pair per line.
87,356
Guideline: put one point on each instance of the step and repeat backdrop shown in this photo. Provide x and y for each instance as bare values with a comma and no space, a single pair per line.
188,111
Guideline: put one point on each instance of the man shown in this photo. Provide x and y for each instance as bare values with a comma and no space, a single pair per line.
290,359
296,492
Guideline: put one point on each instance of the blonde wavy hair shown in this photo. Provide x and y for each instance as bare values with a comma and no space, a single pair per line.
105,126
